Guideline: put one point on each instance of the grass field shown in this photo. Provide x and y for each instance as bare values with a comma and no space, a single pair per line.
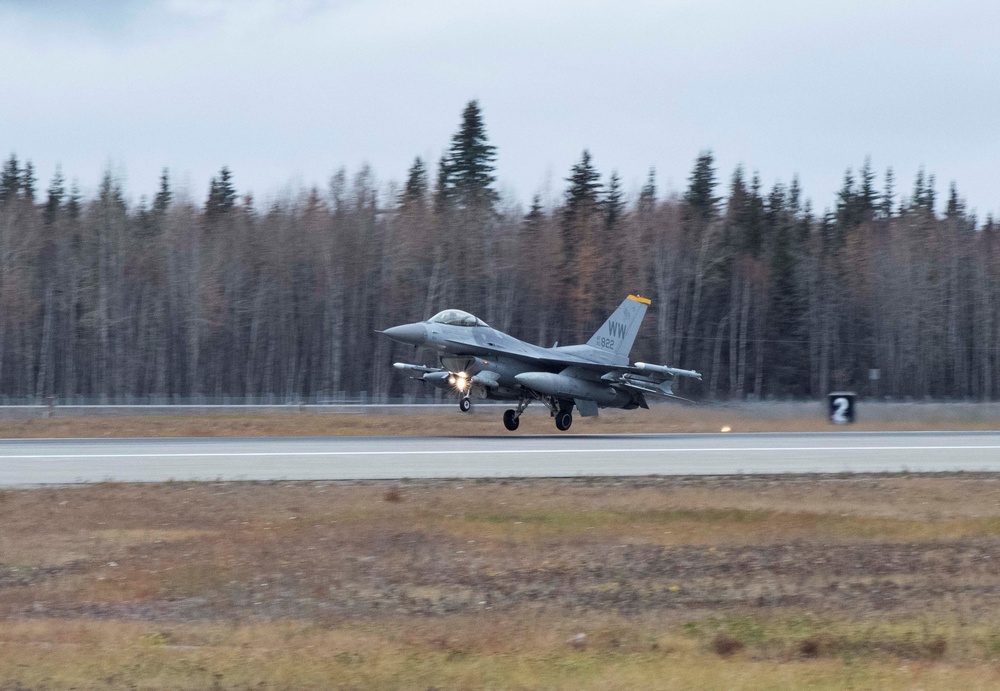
749,583
805,417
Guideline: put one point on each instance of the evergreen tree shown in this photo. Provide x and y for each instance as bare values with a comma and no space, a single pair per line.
164,195
956,207
28,181
613,202
867,196
804,224
580,221
919,188
828,235
442,192
647,196
794,204
701,204
56,193
73,203
785,315
888,194
221,196
755,219
745,227
583,193
10,180
924,195
415,192
857,201
736,211
848,207
467,169
775,208
532,225
536,214
110,195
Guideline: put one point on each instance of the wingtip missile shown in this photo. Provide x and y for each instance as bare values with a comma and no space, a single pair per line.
413,368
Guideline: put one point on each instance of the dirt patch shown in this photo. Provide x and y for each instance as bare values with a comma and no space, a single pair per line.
370,579
185,552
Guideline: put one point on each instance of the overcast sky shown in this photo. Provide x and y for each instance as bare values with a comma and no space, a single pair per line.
285,91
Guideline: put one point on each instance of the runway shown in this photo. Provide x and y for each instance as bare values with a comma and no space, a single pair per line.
66,461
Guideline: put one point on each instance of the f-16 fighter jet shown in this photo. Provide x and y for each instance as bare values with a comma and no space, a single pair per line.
479,361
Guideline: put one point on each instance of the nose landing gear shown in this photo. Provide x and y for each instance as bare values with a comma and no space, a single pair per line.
465,404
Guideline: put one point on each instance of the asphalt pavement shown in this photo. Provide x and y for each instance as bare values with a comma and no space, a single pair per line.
63,461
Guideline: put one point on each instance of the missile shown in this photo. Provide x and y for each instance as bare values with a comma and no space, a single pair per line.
672,371
412,368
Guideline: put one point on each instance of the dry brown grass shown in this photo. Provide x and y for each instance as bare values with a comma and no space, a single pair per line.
663,419
398,655
522,651
863,581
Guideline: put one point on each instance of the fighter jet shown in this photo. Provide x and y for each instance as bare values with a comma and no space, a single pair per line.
482,362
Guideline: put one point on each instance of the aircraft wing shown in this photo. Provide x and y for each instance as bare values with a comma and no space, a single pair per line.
532,354
655,373
641,377
539,355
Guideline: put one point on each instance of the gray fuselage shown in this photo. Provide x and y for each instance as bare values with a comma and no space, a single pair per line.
502,367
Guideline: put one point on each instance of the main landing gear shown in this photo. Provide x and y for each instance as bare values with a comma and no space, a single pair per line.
563,414
562,411
563,420
512,417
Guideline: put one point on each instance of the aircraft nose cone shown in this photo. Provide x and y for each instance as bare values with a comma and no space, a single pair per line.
413,334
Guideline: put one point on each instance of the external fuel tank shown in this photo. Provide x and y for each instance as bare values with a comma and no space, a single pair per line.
562,386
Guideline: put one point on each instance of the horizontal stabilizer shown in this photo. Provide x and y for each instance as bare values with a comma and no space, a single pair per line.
674,397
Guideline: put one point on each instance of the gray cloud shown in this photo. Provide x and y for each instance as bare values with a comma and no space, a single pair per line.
288,91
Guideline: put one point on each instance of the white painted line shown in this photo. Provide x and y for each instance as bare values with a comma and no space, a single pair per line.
490,452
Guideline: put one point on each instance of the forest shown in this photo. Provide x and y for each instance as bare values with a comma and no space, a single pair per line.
889,293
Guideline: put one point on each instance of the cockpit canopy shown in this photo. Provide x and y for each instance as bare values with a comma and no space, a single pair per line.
456,318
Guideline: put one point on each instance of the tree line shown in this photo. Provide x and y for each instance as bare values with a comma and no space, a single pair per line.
173,296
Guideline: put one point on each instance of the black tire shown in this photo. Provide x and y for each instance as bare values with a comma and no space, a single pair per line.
563,420
510,420
465,405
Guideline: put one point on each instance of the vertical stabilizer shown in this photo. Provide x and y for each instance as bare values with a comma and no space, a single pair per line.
618,333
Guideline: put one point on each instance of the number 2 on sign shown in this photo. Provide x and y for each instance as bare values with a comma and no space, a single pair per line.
840,406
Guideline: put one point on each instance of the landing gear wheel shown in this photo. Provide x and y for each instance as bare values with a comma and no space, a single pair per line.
465,405
510,419
563,420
